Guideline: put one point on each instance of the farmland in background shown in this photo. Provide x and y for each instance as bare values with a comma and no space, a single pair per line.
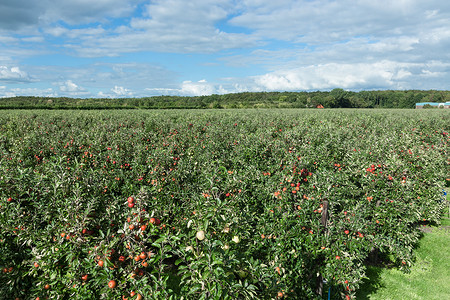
208,204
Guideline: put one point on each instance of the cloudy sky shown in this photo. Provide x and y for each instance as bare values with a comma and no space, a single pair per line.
136,48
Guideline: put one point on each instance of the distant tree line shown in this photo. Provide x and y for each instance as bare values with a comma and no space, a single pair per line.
336,98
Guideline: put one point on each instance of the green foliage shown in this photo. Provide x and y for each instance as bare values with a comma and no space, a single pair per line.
428,106
226,204
337,98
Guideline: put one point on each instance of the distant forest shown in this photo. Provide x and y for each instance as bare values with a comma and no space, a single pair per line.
336,98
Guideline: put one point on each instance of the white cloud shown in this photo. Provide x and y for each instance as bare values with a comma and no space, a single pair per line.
35,92
328,76
327,21
84,33
116,92
8,39
198,88
169,26
428,73
33,39
5,92
398,44
69,88
13,74
436,35
88,11
378,75
87,80
56,31
121,91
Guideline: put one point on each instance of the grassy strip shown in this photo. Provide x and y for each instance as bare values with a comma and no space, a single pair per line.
429,277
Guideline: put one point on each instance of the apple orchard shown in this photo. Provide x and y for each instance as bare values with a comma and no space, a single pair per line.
213,204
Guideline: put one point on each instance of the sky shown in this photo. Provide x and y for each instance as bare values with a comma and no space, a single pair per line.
141,48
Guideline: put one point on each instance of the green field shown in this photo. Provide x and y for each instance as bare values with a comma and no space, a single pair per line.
429,276
220,204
